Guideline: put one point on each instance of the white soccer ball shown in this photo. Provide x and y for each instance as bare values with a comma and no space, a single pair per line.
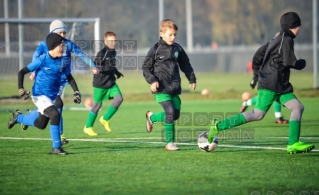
205,92
203,142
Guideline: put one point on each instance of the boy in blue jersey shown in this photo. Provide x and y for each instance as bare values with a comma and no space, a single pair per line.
59,28
48,68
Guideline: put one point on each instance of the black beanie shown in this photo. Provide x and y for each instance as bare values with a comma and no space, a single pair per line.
53,40
290,20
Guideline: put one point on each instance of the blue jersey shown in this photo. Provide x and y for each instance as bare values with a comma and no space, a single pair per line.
70,47
48,75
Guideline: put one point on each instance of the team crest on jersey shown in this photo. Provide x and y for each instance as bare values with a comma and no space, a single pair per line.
176,54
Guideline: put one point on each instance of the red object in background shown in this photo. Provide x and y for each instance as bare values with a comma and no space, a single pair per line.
250,67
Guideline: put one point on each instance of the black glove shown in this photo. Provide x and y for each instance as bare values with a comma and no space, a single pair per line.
253,83
118,75
77,96
24,94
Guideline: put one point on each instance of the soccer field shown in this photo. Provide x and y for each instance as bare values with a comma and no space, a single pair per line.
131,161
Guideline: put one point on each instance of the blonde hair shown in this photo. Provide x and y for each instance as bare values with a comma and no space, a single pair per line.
109,34
167,24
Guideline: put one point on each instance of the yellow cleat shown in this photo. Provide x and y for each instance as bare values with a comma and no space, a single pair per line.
106,124
64,141
89,131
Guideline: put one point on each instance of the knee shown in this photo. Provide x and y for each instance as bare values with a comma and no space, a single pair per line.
169,118
300,108
117,101
176,115
55,118
258,115
41,126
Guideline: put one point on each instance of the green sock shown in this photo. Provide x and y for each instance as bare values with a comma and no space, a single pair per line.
109,113
277,108
169,132
294,132
231,122
254,100
91,119
158,117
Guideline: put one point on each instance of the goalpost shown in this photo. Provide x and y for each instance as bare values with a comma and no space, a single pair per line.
24,21
17,44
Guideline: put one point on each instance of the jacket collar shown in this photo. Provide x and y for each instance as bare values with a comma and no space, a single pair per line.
162,42
288,32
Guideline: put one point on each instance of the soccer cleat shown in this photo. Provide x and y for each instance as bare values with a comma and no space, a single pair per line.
213,130
89,131
64,141
281,120
149,123
106,124
171,147
23,126
243,107
14,119
299,147
59,151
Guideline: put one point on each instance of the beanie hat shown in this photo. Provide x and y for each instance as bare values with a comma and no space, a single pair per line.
290,20
53,40
56,26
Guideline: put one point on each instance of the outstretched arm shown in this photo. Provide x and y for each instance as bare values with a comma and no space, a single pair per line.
77,51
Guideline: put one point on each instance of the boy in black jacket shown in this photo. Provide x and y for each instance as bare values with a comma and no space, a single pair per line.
272,75
161,71
104,85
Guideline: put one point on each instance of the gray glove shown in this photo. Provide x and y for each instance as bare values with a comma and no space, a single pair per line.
77,96
24,94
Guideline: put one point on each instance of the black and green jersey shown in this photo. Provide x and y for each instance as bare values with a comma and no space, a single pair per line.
162,65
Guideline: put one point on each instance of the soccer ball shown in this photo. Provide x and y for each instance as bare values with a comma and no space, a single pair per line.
245,96
88,102
203,142
205,92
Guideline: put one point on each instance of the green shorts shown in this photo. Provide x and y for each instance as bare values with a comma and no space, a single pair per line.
100,94
176,101
267,97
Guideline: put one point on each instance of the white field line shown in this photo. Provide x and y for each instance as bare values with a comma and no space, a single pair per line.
124,140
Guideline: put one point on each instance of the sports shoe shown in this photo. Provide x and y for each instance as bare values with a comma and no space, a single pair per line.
14,119
89,131
59,151
106,124
281,120
243,107
23,126
149,123
213,130
299,147
64,141
171,147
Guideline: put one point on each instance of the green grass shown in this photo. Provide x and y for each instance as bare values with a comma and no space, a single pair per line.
135,88
131,161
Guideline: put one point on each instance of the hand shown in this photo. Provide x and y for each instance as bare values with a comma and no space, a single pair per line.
118,75
95,71
77,96
253,84
154,86
192,86
31,77
24,94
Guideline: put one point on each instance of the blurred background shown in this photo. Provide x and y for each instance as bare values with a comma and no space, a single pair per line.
220,36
